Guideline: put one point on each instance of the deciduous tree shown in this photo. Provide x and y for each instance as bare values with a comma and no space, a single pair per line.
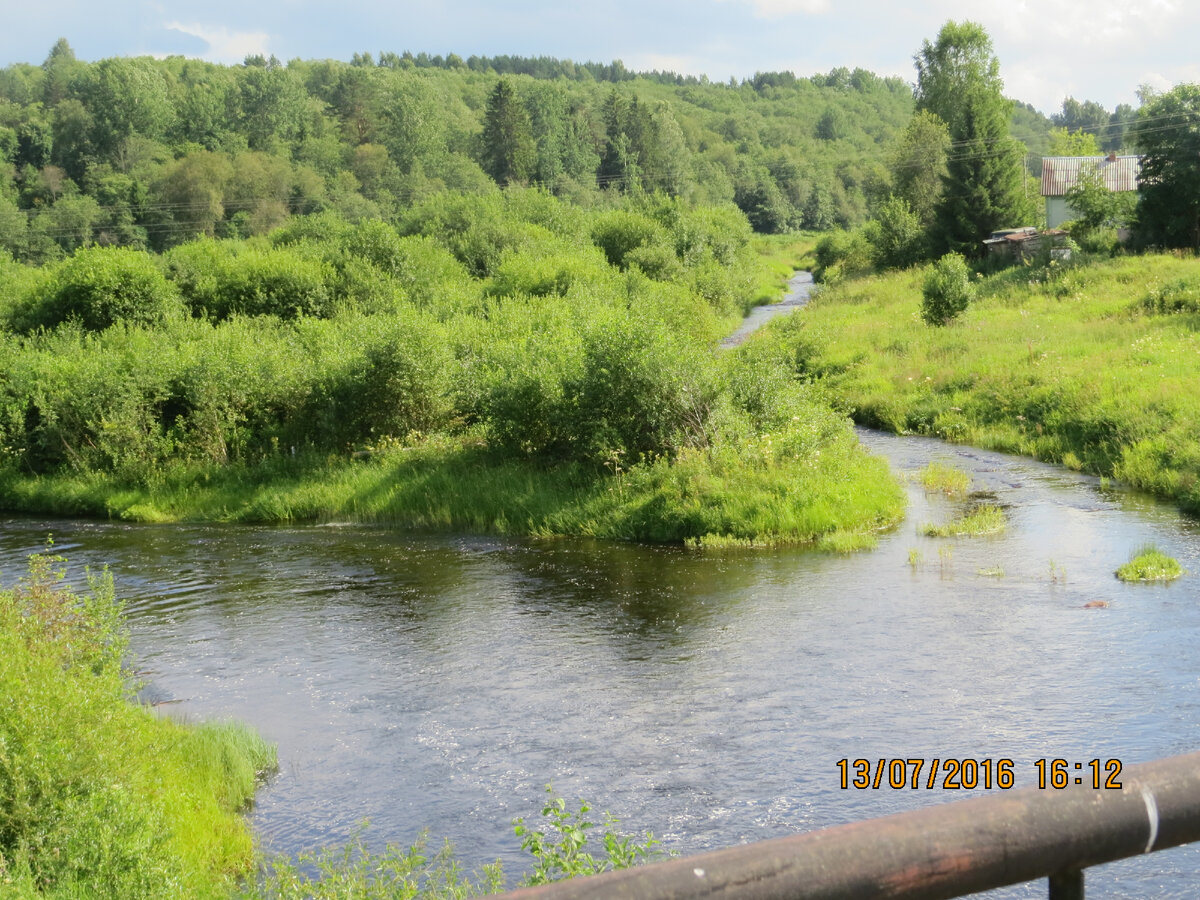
1167,132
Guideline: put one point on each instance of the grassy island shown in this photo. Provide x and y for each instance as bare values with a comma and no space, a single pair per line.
504,362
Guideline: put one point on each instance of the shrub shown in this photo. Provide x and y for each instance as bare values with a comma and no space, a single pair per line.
947,290
619,232
101,286
898,236
842,253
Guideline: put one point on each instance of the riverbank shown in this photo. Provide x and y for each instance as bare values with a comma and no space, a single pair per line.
809,481
1090,365
99,796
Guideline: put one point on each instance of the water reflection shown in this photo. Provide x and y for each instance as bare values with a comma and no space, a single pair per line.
441,682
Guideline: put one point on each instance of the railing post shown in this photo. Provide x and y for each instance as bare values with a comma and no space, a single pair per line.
1067,885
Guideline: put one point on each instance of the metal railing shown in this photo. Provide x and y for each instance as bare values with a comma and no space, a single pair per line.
942,851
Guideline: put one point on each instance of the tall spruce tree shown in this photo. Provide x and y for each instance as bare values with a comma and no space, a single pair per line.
509,152
958,79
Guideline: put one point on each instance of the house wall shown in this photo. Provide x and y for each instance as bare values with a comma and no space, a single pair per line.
1058,210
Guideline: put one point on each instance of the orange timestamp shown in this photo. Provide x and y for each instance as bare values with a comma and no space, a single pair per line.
965,774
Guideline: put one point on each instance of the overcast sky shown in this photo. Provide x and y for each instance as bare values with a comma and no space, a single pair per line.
1048,49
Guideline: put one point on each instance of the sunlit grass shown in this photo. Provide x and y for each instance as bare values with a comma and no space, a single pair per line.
941,478
1066,365
980,521
716,496
1148,563
101,797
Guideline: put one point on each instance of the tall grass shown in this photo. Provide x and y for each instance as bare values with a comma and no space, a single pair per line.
1070,364
99,796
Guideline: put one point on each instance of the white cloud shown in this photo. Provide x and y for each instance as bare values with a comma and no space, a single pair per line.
779,9
225,46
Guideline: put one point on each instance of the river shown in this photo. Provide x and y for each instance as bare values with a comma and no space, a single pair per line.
441,682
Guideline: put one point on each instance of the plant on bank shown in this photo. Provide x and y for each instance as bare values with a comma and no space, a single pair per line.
560,851
99,796
947,290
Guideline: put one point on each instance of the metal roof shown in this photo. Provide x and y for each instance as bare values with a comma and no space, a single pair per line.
1061,172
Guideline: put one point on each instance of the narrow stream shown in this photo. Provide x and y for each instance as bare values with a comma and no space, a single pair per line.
441,682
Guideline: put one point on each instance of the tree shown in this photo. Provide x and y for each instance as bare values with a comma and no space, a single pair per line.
958,80
1167,132
1096,205
509,153
919,164
1072,143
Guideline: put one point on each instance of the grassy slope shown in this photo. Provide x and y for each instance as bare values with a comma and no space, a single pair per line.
1063,364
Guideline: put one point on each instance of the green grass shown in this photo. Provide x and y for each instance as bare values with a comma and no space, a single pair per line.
1148,563
980,521
779,256
102,797
754,492
940,478
1074,365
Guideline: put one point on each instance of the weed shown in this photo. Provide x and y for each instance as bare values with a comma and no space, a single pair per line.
1148,563
939,477
980,521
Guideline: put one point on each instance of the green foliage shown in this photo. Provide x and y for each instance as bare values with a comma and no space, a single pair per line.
958,80
220,280
101,286
509,154
100,796
562,850
947,290
843,254
1096,205
899,238
1166,134
1072,143
1148,563
982,520
356,871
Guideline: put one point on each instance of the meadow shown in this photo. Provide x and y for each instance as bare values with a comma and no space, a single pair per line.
1091,364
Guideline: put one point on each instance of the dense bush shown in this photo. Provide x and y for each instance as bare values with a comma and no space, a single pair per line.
101,286
947,290
841,254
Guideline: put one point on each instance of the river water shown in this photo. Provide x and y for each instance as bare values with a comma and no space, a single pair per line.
441,682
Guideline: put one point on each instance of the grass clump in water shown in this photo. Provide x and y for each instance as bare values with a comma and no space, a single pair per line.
1148,563
940,478
980,521
99,796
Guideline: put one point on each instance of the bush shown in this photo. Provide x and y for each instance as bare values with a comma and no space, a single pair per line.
947,290
101,286
898,236
843,253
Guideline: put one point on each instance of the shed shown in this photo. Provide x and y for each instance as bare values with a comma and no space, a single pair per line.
1060,173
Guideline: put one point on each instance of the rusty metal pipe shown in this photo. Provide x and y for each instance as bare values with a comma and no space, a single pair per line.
943,851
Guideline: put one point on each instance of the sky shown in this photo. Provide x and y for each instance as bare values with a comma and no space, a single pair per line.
1048,49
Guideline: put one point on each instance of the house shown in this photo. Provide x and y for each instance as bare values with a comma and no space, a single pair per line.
1060,173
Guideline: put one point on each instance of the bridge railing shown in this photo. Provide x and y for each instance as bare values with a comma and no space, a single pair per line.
949,850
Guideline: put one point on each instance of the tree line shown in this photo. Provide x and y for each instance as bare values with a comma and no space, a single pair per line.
149,153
